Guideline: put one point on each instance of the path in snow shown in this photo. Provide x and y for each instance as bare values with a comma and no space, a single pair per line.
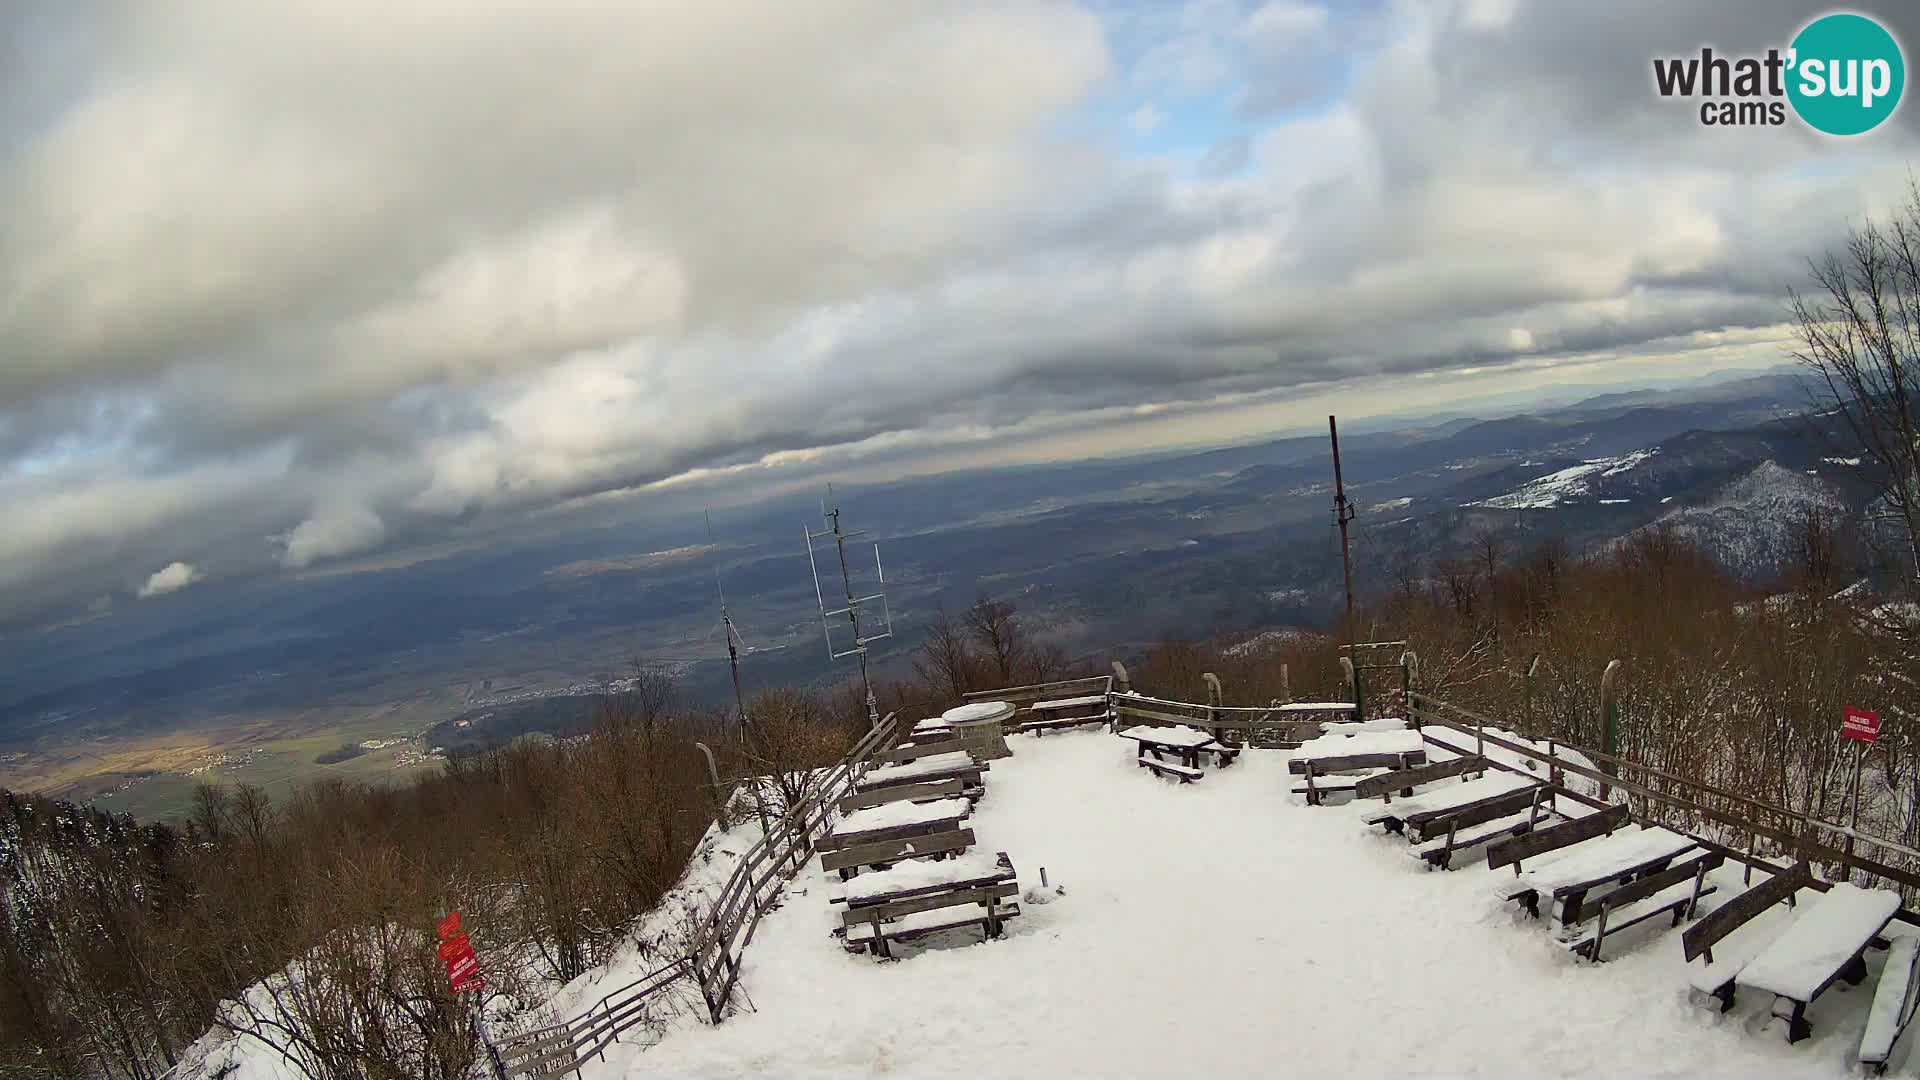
1225,929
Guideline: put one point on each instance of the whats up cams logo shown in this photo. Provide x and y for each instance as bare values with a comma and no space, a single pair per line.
1842,75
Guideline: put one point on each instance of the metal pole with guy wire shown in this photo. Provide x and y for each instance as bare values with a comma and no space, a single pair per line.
854,603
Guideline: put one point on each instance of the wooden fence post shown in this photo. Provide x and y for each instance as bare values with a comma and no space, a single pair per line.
1609,725
1120,680
1533,727
1353,687
1409,671
1286,686
713,774
1214,698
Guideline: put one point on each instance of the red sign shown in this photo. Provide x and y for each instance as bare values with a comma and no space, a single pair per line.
455,946
1860,724
450,925
463,967
469,982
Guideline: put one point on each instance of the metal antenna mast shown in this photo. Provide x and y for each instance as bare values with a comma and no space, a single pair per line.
1343,512
854,603
733,653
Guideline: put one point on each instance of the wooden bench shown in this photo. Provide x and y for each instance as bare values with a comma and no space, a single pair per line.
1676,890
1405,780
1715,980
873,927
911,878
906,752
1581,829
1048,716
1620,857
952,765
1348,776
1438,853
939,789
936,845
1894,1000
1430,813
1332,763
1826,943
1183,773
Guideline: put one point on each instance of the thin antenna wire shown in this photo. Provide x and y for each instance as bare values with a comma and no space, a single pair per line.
726,620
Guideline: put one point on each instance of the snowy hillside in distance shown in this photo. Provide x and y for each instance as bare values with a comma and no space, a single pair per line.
1567,485
1749,525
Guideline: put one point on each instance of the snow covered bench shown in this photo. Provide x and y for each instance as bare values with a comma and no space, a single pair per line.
911,878
1060,713
1620,857
914,751
1365,750
1676,890
927,792
885,853
951,765
871,928
1893,1004
1715,978
1826,943
1431,813
896,821
1438,852
1405,780
1513,852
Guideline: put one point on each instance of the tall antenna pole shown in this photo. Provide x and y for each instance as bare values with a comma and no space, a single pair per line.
1343,511
733,654
852,610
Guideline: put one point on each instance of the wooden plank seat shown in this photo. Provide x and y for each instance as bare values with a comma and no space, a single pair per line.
1497,794
910,878
1676,890
1223,755
1714,980
871,928
950,788
949,766
1620,857
846,860
1184,774
1579,830
1894,1000
1405,780
1339,763
1826,943
914,751
895,821
1438,852
1366,749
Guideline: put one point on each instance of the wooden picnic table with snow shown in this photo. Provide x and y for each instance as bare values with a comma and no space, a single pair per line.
1341,744
1830,931
1574,870
911,875
1178,737
936,765
1452,796
899,815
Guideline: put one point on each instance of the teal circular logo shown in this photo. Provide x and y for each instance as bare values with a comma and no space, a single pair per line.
1845,74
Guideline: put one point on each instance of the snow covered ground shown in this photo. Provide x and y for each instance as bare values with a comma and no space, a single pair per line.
1225,929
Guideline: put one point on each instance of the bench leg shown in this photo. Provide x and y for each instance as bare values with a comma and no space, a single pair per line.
1856,970
1797,1026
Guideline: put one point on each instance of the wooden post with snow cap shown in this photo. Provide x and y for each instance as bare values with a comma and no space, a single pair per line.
1120,680
1533,667
713,774
1609,725
1353,687
1286,686
1409,671
1214,700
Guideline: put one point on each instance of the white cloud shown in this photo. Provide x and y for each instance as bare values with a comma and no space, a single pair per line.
1145,120
341,528
171,578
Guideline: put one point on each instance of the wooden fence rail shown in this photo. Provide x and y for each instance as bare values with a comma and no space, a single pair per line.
713,961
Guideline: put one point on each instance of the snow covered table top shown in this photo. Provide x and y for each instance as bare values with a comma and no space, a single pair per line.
915,874
900,814
1366,742
936,765
1316,706
1596,860
975,711
1178,735
1450,796
1069,703
1832,929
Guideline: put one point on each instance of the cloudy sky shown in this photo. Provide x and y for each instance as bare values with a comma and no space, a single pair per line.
284,283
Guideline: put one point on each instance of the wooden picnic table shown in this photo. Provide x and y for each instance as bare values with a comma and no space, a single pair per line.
937,767
912,878
1826,943
1185,741
1621,856
896,821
